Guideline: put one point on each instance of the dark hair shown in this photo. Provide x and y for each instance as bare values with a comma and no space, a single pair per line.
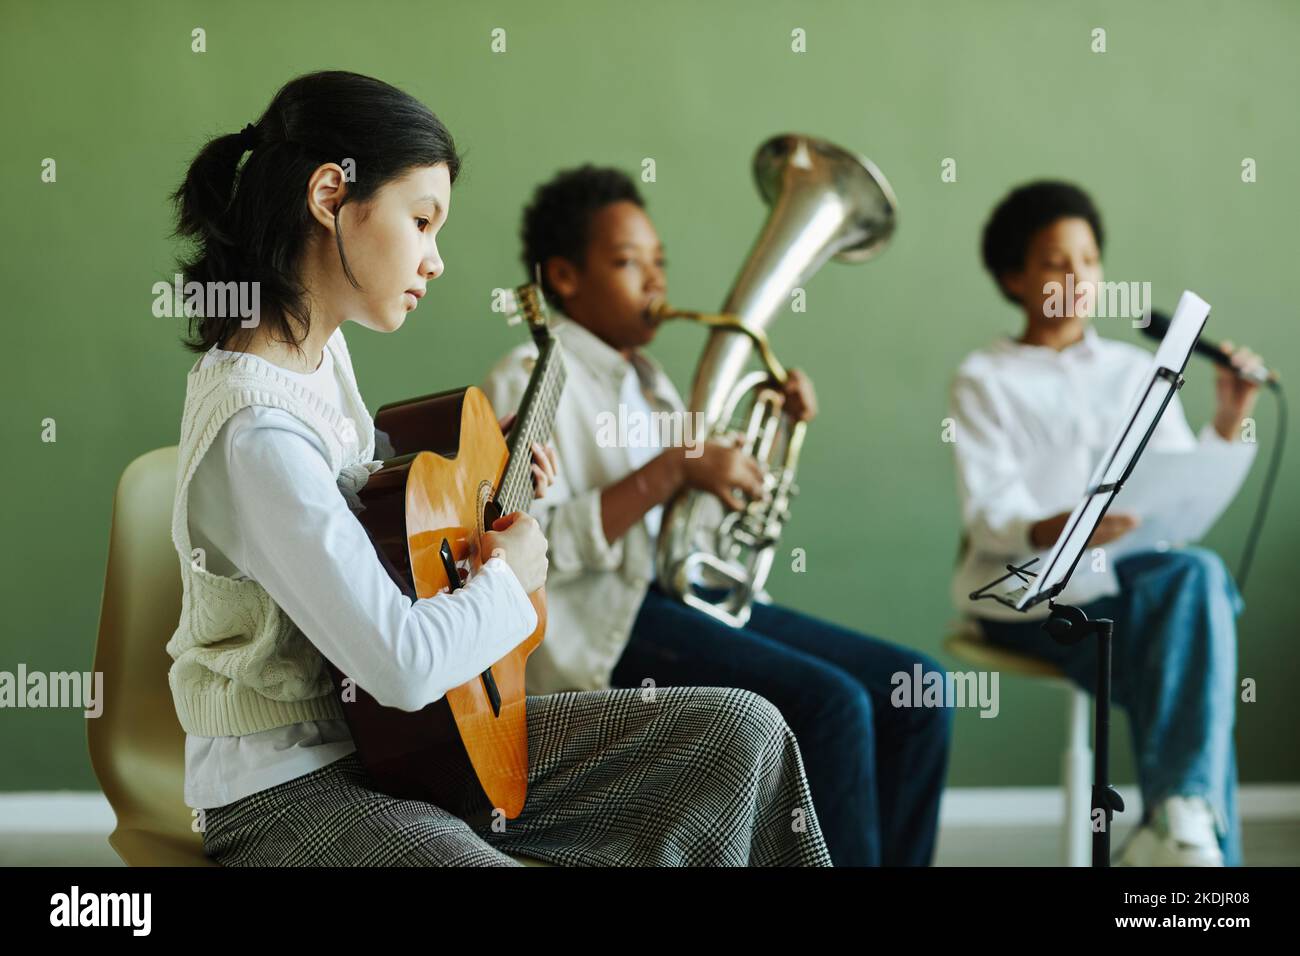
1021,214
558,220
250,223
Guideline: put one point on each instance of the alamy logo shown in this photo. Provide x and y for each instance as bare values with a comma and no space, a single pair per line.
946,689
102,909
55,689
633,428
1102,300
224,300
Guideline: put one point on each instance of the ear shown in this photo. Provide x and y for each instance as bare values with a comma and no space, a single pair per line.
562,275
325,192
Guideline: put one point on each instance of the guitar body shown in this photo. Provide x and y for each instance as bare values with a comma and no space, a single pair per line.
457,752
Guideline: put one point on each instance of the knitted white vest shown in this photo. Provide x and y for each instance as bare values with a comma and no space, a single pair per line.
240,666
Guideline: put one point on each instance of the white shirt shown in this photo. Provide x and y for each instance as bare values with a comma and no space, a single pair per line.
263,504
1031,424
594,589
633,396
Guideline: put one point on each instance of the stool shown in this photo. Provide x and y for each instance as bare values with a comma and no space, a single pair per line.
967,642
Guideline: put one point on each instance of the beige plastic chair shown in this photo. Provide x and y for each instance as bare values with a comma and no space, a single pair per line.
967,642
137,746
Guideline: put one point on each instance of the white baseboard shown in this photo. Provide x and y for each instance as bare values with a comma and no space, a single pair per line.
69,811
1044,806
56,811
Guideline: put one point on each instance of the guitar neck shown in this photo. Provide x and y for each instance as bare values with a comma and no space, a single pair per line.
534,423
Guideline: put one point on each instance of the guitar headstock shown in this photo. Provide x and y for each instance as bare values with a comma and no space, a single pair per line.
528,304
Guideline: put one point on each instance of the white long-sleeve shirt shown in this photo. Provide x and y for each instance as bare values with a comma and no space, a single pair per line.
1030,425
264,505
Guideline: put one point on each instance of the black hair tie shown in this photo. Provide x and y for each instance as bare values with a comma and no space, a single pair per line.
248,137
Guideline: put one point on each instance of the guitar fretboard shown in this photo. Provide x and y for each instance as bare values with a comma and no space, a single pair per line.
534,423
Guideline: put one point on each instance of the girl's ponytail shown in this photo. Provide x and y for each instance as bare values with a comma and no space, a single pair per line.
203,205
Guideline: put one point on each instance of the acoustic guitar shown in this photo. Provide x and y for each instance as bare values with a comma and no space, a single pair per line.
425,510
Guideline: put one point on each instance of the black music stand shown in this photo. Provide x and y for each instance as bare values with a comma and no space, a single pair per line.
1068,624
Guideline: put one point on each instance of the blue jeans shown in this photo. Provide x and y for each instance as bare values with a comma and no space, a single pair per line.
1174,670
876,772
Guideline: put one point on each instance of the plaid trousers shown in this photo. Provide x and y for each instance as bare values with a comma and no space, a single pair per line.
680,776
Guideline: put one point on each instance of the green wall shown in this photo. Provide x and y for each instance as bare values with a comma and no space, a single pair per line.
1156,127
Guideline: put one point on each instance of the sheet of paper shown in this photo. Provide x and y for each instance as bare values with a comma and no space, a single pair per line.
1179,495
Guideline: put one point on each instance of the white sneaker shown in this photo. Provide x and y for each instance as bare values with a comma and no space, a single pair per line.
1180,833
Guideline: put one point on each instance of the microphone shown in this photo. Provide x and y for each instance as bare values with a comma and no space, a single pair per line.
1159,326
